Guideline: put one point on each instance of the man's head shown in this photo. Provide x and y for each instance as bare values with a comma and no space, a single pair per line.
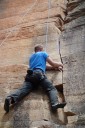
38,48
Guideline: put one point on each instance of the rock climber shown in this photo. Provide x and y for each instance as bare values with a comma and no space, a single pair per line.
36,77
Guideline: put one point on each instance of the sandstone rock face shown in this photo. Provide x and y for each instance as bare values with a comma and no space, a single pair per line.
59,26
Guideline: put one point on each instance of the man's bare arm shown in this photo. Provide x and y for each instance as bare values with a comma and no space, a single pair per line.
53,65
49,67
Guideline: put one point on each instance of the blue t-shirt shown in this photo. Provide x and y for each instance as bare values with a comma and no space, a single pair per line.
38,60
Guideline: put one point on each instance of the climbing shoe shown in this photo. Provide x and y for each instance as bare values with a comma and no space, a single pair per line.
58,105
7,104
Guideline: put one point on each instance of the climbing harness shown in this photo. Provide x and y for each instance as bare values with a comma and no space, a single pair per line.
14,28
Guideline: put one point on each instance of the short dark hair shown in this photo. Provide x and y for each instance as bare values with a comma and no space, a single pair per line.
38,47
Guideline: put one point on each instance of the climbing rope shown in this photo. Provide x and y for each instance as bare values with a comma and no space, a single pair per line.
14,28
49,6
58,40
47,23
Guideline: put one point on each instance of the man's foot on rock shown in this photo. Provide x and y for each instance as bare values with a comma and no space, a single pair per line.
7,104
58,105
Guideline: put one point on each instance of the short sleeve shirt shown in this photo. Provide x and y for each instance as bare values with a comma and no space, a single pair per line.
38,60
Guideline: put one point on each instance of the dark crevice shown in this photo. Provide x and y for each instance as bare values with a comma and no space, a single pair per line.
59,88
70,113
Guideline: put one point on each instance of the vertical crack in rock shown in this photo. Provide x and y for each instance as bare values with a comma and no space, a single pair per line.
60,58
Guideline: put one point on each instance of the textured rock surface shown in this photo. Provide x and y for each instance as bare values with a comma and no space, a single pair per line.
73,55
24,23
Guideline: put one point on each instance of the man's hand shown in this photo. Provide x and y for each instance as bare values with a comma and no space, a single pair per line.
60,68
54,65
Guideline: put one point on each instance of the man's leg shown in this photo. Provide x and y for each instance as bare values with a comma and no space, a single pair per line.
17,95
52,92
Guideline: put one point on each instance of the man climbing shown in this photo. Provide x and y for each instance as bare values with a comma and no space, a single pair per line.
36,77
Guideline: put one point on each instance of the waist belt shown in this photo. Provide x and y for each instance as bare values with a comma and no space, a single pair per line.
30,71
38,69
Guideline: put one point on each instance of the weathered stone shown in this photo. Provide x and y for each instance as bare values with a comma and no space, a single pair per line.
23,24
80,119
78,11
74,24
72,53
